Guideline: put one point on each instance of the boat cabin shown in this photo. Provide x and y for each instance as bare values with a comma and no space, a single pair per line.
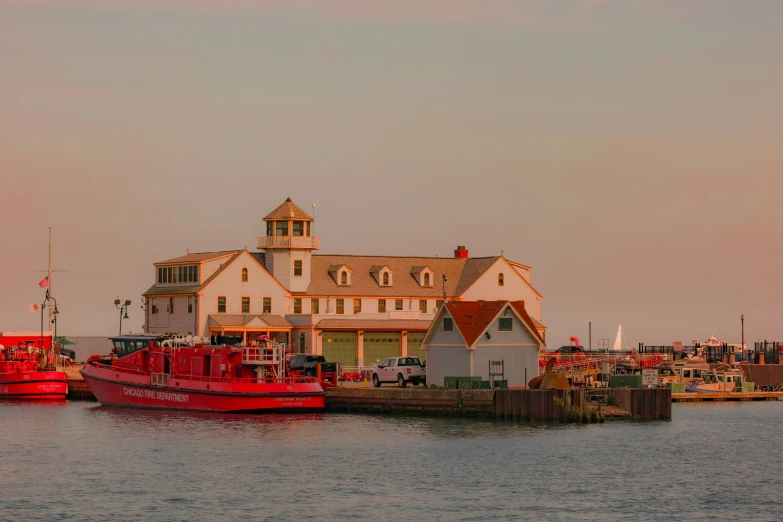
128,344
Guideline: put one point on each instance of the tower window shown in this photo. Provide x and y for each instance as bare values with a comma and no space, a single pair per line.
343,277
298,267
282,228
221,304
298,228
386,279
308,228
267,308
426,279
245,305
244,275
270,228
501,279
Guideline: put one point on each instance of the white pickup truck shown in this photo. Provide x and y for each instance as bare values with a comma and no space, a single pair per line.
401,370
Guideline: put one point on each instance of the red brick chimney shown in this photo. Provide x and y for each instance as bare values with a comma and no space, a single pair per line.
461,253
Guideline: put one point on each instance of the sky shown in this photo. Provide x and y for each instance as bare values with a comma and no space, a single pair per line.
629,151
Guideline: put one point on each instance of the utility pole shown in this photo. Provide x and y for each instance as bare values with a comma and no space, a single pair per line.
590,338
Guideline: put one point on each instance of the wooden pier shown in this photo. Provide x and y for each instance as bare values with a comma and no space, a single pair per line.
726,396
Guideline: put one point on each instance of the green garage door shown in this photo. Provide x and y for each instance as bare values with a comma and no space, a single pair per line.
379,346
414,345
339,347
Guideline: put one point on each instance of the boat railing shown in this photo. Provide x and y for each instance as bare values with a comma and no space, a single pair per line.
261,355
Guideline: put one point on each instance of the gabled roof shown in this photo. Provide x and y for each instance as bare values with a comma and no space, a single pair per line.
377,268
475,267
191,289
335,268
197,257
472,318
420,269
288,210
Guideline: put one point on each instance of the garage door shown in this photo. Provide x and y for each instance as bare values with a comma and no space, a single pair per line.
414,345
339,347
379,346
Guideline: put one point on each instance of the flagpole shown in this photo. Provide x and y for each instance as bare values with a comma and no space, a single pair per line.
49,290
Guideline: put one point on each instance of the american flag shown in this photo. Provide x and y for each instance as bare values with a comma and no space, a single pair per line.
43,283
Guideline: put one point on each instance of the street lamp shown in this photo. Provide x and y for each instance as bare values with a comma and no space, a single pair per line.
742,320
123,310
47,299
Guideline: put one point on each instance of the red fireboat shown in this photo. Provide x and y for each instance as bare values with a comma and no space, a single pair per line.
148,371
27,371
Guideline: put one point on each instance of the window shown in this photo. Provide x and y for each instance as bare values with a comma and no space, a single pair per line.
505,324
168,275
298,228
357,306
282,228
180,274
221,304
423,306
398,304
314,306
341,306
448,324
171,305
298,305
386,279
245,305
381,306
308,229
298,268
343,277
500,279
267,309
244,275
190,304
190,274
160,275
195,274
426,279
438,303
270,228
153,306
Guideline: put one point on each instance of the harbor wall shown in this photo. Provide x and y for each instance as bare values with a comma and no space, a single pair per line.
763,374
650,403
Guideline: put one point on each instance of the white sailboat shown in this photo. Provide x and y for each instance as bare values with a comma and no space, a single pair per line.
618,341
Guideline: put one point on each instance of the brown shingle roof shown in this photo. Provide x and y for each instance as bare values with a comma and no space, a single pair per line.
364,284
474,268
288,210
197,257
373,324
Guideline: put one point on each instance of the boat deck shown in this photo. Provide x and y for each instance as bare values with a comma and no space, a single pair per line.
726,396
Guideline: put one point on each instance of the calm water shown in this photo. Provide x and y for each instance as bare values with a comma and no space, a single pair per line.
80,461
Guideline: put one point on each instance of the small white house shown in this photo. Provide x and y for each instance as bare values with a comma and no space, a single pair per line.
466,335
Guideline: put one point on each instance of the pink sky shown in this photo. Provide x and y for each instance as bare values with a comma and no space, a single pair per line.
628,151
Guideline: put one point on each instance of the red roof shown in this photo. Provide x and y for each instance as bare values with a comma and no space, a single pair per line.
473,317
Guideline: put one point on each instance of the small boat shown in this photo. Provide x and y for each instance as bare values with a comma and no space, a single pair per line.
723,378
149,371
26,372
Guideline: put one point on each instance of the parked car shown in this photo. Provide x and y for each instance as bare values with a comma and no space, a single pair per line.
305,363
401,370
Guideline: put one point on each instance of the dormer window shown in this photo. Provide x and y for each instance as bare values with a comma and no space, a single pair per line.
244,275
382,275
343,277
423,275
386,279
341,274
427,279
500,279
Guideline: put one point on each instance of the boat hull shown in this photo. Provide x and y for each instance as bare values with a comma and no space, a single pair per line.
33,386
181,393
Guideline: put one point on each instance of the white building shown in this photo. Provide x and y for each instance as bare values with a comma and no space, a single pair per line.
353,309
466,335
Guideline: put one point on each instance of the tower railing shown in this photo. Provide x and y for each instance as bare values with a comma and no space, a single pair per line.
288,242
